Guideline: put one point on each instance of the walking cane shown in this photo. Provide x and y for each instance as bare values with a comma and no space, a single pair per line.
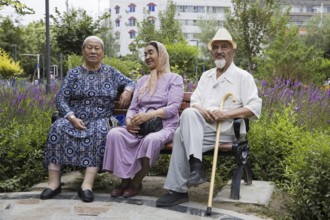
215,157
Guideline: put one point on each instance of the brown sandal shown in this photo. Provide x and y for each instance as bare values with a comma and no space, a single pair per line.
119,189
132,190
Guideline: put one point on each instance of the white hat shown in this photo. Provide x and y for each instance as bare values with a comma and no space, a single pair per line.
222,34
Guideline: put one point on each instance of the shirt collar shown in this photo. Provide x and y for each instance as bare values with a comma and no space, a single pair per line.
228,75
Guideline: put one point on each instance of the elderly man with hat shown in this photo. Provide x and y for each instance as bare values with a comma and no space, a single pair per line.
197,131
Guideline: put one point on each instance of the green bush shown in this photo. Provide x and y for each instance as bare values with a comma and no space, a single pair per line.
308,172
25,119
271,141
8,67
294,157
127,67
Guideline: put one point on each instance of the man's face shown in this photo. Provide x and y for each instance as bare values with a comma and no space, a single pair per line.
222,53
93,52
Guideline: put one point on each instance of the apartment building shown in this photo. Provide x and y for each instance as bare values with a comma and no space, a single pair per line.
125,14
302,11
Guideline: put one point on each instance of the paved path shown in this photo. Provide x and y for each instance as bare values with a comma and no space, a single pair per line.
67,206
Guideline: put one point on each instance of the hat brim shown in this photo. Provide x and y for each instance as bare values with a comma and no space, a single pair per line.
209,45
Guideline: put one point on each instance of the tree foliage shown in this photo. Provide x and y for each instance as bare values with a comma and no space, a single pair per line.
10,36
72,28
182,56
169,32
19,7
170,29
287,57
8,68
208,28
318,33
111,45
146,31
249,24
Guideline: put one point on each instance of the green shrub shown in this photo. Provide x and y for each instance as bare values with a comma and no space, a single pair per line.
308,172
271,141
8,67
74,60
127,67
294,157
24,121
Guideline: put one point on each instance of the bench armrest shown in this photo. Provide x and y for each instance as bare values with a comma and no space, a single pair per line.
237,127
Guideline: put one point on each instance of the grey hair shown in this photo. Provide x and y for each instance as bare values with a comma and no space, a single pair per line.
95,38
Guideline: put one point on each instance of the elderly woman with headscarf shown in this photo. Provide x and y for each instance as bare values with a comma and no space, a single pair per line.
128,155
85,103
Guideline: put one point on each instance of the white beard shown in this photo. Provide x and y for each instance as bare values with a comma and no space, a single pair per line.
220,63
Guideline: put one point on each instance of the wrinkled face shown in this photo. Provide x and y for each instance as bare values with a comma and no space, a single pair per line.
223,50
93,52
151,57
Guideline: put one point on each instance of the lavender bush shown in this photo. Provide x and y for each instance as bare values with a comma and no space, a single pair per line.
309,103
25,113
290,146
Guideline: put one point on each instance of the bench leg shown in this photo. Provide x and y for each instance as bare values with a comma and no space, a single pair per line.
247,174
236,183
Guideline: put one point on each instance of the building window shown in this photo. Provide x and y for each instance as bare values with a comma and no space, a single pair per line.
132,7
132,21
151,6
132,33
117,22
117,8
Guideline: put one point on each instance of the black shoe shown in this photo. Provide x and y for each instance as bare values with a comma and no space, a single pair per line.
197,174
172,198
86,195
48,193
196,178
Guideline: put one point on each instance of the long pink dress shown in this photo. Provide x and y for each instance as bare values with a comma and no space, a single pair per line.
123,149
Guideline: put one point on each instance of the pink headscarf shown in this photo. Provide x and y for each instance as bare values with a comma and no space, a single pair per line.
162,67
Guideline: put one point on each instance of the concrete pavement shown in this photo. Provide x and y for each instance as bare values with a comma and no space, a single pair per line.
67,205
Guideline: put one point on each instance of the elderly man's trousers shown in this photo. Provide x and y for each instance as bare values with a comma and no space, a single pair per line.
193,137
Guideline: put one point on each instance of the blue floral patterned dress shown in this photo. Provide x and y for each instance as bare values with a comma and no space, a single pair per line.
90,96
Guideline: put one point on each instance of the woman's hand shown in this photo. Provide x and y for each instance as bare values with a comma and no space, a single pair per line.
125,99
131,127
141,117
77,123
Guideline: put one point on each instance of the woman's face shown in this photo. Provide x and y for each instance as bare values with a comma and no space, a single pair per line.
93,52
151,57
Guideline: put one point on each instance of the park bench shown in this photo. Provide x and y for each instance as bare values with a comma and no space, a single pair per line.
240,150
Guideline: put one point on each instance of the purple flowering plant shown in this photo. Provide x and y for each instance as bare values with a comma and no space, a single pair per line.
309,104
25,102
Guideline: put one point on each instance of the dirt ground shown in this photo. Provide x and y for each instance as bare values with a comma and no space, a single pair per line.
153,186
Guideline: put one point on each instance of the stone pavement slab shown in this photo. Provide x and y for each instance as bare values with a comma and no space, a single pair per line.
67,206
258,193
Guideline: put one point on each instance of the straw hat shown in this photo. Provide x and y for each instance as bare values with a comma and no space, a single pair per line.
222,34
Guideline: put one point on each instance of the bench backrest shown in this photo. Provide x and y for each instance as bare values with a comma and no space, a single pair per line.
185,104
